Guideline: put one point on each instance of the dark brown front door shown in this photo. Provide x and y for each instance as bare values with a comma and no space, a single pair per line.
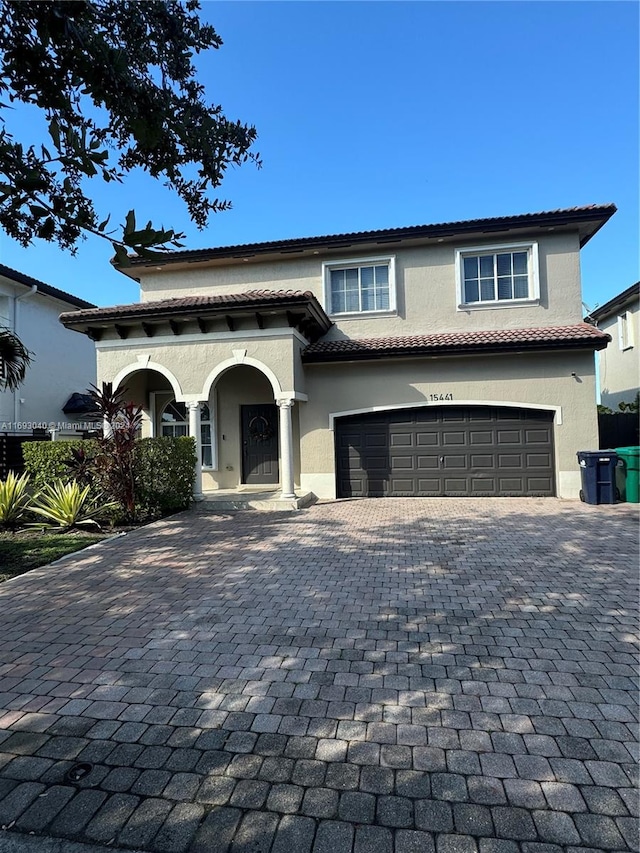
260,443
459,452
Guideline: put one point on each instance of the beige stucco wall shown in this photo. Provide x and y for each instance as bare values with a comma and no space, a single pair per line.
620,369
256,371
539,380
542,380
426,287
190,360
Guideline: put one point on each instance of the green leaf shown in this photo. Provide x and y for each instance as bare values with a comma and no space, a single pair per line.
130,223
121,256
54,133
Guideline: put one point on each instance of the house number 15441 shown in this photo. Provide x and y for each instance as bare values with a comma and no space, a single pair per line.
437,397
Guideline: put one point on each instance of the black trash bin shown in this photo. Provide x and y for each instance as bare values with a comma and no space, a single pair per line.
598,470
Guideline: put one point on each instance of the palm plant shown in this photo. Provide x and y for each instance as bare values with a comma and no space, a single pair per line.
68,505
14,360
15,501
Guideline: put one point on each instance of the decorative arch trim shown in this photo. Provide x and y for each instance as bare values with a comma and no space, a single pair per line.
150,365
240,357
421,404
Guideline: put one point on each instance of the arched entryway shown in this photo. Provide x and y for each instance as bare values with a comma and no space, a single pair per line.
254,429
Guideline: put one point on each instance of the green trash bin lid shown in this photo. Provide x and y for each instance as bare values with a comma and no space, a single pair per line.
628,451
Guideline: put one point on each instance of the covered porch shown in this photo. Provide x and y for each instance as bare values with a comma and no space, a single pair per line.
226,373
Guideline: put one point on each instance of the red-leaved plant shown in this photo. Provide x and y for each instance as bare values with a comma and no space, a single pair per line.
114,460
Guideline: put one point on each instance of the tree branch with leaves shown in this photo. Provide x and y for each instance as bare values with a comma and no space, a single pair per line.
116,83
15,358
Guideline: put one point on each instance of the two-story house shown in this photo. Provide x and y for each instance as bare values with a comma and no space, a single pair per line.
619,364
444,359
63,363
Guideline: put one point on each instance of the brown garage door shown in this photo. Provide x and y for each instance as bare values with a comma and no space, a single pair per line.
452,451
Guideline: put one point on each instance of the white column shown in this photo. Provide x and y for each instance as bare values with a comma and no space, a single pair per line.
286,449
194,432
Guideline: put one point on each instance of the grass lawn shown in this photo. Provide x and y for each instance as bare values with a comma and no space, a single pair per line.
28,549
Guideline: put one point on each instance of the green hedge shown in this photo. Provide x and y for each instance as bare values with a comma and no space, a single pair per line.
164,470
44,460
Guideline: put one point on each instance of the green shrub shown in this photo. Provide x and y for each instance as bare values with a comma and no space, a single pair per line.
15,500
164,472
45,461
68,505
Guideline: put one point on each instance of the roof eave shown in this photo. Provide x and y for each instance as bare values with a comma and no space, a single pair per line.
620,301
45,289
593,219
145,311
435,352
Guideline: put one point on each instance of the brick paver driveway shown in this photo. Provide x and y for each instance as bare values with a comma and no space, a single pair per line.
400,675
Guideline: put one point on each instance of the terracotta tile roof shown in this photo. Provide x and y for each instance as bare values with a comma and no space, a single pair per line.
190,304
579,335
591,216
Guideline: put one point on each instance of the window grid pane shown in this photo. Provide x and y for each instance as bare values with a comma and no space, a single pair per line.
471,291
487,290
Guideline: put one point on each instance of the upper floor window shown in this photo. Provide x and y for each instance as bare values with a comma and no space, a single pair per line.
625,337
360,287
497,275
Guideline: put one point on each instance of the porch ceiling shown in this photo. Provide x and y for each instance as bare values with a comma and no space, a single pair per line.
256,309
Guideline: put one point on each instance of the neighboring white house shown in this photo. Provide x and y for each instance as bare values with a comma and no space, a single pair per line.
619,363
63,363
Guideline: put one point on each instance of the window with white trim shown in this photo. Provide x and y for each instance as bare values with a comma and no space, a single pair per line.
497,275
625,336
174,422
364,286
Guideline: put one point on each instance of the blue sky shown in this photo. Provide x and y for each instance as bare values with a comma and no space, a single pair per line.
375,114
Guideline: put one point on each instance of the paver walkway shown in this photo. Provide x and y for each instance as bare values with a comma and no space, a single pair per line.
396,676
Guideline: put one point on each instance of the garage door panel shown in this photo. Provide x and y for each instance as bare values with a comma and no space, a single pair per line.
509,436
538,460
401,463
431,451
426,416
376,463
406,485
399,439
510,460
539,485
424,463
536,436
427,439
512,486
484,460
479,413
376,439
480,437
451,438
451,461
429,486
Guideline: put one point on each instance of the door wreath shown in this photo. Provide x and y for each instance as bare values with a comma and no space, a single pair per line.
260,429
